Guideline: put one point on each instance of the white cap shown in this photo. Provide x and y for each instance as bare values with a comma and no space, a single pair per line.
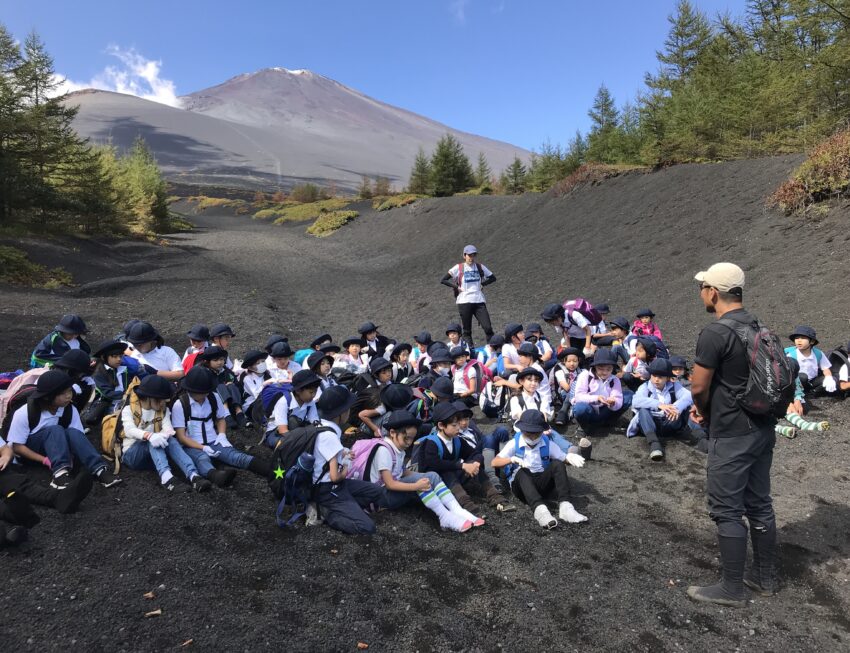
470,249
722,276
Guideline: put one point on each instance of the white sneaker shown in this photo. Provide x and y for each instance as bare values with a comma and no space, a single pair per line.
569,514
313,518
544,517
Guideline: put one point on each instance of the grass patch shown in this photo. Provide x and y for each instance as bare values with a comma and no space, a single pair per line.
329,222
480,190
394,201
18,270
310,211
823,175
178,223
202,202
593,173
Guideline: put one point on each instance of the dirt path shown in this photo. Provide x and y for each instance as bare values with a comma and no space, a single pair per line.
227,578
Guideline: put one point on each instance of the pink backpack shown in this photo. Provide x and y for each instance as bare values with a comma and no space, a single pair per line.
584,307
364,456
483,374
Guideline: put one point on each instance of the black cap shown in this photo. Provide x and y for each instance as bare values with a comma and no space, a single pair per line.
318,340
272,340
805,332
304,379
511,329
200,380
528,349
423,338
396,396
443,412
71,324
75,360
443,387
253,357
645,312
211,353
199,332
404,346
567,351
497,340
142,332
661,367
399,419
604,357
154,386
454,327
457,350
314,360
354,341
108,347
534,327
221,329
335,401
551,311
441,355
367,327
530,371
329,348
281,350
532,421
51,383
379,363
619,321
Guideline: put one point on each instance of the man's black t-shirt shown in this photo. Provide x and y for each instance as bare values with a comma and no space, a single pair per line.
719,348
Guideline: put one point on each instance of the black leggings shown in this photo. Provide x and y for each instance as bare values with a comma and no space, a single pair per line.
531,488
481,315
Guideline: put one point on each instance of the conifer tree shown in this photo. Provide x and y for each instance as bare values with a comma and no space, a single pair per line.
420,175
482,171
451,171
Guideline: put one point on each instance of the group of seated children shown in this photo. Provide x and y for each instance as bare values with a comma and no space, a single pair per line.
376,400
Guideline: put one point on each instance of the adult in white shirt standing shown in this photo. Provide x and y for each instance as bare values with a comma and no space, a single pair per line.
467,279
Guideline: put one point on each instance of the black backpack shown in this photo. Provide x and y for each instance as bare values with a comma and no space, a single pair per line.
770,386
24,396
183,398
838,358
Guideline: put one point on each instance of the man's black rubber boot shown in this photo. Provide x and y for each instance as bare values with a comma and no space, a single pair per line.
222,477
730,590
762,575
260,467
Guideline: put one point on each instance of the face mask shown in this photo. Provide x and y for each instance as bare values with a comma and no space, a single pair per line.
533,441
442,371
261,368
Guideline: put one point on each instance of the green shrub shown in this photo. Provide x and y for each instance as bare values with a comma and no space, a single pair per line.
329,222
301,212
824,174
17,269
394,201
593,173
306,193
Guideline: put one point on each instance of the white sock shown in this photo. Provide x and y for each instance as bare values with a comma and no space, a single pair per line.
448,519
193,477
544,517
568,513
165,476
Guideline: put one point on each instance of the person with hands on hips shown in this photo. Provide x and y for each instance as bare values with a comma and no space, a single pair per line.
467,279
532,474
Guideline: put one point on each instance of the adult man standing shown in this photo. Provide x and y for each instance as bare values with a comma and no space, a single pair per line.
467,279
740,450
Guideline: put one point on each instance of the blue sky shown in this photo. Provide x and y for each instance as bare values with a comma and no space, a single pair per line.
521,72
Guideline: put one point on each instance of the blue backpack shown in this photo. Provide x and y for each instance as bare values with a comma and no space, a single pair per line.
519,452
433,437
660,347
262,409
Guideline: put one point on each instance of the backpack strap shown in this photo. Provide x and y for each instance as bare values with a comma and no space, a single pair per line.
67,416
187,413
33,413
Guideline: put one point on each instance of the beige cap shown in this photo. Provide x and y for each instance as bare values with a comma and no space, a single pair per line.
723,276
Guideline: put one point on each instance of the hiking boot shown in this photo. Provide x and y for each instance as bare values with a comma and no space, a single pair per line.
260,467
656,454
222,477
61,480
13,535
106,478
68,500
729,591
544,517
17,510
200,484
175,487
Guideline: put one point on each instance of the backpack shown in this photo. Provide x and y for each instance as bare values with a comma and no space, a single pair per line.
364,456
433,437
30,377
190,361
421,405
838,358
291,477
460,277
183,398
661,350
770,386
582,306
493,401
482,375
112,426
23,397
343,377
519,452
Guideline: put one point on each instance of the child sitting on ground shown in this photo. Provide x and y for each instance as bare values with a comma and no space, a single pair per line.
214,358
251,379
453,339
644,326
661,407
66,335
111,379
352,361
598,399
419,356
465,379
199,336
490,355
533,474
382,462
455,460
794,414
148,441
534,334
293,408
320,363
197,416
400,358
562,381
283,368
150,351
815,368
681,373
636,371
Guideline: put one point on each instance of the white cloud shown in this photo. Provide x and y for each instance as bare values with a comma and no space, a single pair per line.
135,75
458,10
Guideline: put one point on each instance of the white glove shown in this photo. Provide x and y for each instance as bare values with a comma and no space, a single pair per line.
829,384
168,432
158,440
516,460
575,460
222,441
588,351
212,453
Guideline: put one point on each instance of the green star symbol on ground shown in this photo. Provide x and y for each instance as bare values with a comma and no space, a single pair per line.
278,473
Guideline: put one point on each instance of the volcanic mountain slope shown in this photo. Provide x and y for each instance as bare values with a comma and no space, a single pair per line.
616,583
276,127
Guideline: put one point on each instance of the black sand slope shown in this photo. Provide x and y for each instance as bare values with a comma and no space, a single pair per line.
228,579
